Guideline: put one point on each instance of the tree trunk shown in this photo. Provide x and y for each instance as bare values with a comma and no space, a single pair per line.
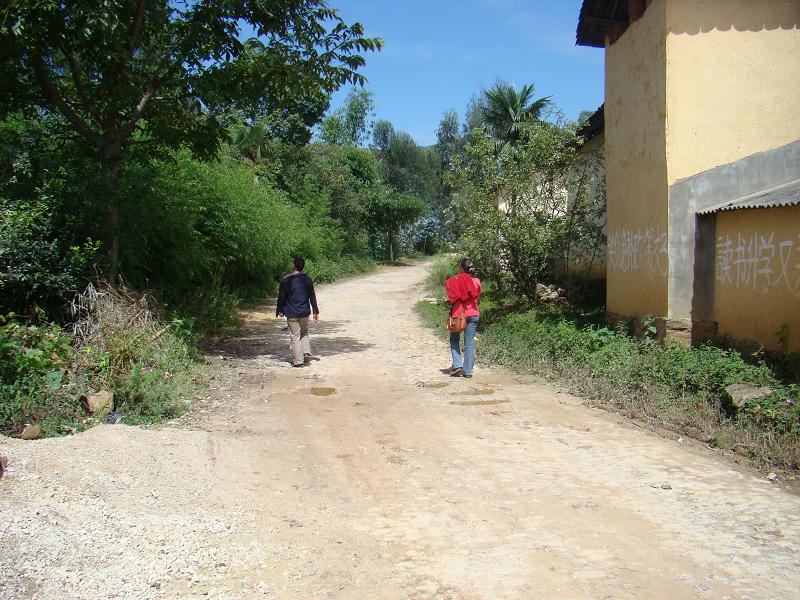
390,236
111,161
113,259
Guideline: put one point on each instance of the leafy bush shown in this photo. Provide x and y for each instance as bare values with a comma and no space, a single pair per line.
45,372
192,224
32,363
442,269
38,266
154,382
327,270
208,236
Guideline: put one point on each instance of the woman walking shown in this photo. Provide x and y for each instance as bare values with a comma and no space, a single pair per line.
463,293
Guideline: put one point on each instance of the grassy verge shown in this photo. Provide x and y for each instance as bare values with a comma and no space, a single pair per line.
47,373
667,385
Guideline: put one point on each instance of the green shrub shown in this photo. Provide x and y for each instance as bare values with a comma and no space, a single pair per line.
780,411
697,376
443,267
32,364
155,381
45,372
39,266
327,270
192,225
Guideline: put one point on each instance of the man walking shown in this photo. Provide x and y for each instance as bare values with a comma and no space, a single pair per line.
297,301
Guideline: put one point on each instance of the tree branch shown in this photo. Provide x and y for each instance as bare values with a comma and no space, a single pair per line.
136,25
51,93
128,126
74,71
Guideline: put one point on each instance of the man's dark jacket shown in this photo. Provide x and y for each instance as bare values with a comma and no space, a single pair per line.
296,296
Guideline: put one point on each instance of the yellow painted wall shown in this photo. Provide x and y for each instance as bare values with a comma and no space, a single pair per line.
757,279
733,80
636,167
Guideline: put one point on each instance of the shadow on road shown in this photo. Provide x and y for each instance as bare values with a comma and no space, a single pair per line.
268,339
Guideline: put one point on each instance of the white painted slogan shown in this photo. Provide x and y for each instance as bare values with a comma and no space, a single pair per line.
759,261
639,250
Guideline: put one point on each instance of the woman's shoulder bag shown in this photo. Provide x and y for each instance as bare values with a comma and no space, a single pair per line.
456,324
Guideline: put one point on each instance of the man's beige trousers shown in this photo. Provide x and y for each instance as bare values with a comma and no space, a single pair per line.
300,344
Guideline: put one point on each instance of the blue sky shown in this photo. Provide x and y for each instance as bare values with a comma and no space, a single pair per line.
439,53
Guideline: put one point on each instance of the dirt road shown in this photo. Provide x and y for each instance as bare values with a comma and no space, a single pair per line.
371,475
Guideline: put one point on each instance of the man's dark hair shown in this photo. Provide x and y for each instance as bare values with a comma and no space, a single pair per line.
299,263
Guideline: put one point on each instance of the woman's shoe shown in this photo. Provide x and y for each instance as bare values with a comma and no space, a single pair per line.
457,372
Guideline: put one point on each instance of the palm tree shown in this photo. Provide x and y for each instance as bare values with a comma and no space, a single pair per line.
251,141
505,110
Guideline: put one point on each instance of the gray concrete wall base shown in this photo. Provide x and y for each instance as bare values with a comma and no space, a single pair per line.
702,191
684,331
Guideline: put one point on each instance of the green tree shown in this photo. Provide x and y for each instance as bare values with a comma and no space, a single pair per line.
506,109
251,140
402,163
473,114
333,186
554,205
411,169
127,72
584,116
389,211
349,125
448,138
382,136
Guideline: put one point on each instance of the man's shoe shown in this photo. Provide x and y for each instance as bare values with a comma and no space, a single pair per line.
300,365
457,372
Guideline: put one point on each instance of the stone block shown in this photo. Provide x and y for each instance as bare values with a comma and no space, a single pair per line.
739,394
99,404
31,431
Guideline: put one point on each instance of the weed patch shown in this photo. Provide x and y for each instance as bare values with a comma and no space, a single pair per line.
118,345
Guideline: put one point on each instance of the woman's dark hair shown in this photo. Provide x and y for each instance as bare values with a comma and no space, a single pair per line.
468,266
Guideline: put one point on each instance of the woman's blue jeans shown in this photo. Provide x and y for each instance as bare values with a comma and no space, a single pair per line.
469,346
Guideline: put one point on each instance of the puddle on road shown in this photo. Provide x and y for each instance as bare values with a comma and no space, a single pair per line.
476,392
433,384
323,391
478,402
